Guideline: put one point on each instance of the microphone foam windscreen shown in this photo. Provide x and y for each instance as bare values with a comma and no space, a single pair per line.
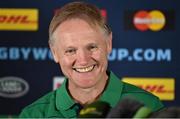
126,108
98,109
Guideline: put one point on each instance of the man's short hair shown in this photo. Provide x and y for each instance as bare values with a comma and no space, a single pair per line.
81,10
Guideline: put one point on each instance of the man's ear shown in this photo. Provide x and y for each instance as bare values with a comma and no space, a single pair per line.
109,43
54,53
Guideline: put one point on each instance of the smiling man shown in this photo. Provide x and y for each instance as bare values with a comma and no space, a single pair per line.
80,41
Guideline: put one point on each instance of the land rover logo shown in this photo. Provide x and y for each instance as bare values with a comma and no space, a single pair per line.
13,87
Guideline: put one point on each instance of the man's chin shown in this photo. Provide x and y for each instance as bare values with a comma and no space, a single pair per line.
85,86
85,83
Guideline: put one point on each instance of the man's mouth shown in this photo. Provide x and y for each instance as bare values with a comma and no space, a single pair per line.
84,69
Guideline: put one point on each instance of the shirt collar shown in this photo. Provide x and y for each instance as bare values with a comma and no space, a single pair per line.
111,94
113,91
63,99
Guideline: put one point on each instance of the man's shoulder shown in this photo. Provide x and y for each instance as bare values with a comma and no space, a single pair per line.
44,100
142,95
134,90
40,106
130,88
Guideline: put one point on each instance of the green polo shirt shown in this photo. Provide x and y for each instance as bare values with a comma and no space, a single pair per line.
59,103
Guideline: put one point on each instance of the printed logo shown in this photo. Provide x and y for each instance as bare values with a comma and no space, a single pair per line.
161,87
141,55
153,20
24,53
13,87
104,13
19,19
57,81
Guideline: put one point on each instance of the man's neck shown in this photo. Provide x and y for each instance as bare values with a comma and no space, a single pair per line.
88,95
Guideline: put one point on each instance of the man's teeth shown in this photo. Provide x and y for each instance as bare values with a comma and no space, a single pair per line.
86,69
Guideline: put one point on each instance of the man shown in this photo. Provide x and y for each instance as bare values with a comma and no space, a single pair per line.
80,41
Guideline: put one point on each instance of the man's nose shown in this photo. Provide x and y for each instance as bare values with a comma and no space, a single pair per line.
83,57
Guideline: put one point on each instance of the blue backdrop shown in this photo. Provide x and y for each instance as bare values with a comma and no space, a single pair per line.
27,70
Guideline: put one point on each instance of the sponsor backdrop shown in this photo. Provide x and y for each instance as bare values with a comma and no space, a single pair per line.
145,48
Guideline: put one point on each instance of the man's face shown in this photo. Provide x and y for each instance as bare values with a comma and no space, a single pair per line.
81,52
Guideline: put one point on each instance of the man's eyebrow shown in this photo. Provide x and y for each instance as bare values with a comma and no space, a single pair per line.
92,43
69,47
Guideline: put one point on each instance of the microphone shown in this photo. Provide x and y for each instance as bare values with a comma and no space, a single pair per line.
129,108
168,112
98,109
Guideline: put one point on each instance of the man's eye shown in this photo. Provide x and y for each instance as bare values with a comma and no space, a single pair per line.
93,47
70,51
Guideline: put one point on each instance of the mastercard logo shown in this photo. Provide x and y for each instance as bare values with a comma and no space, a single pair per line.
149,20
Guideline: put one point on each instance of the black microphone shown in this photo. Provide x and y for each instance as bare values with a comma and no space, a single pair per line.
98,109
129,108
168,112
